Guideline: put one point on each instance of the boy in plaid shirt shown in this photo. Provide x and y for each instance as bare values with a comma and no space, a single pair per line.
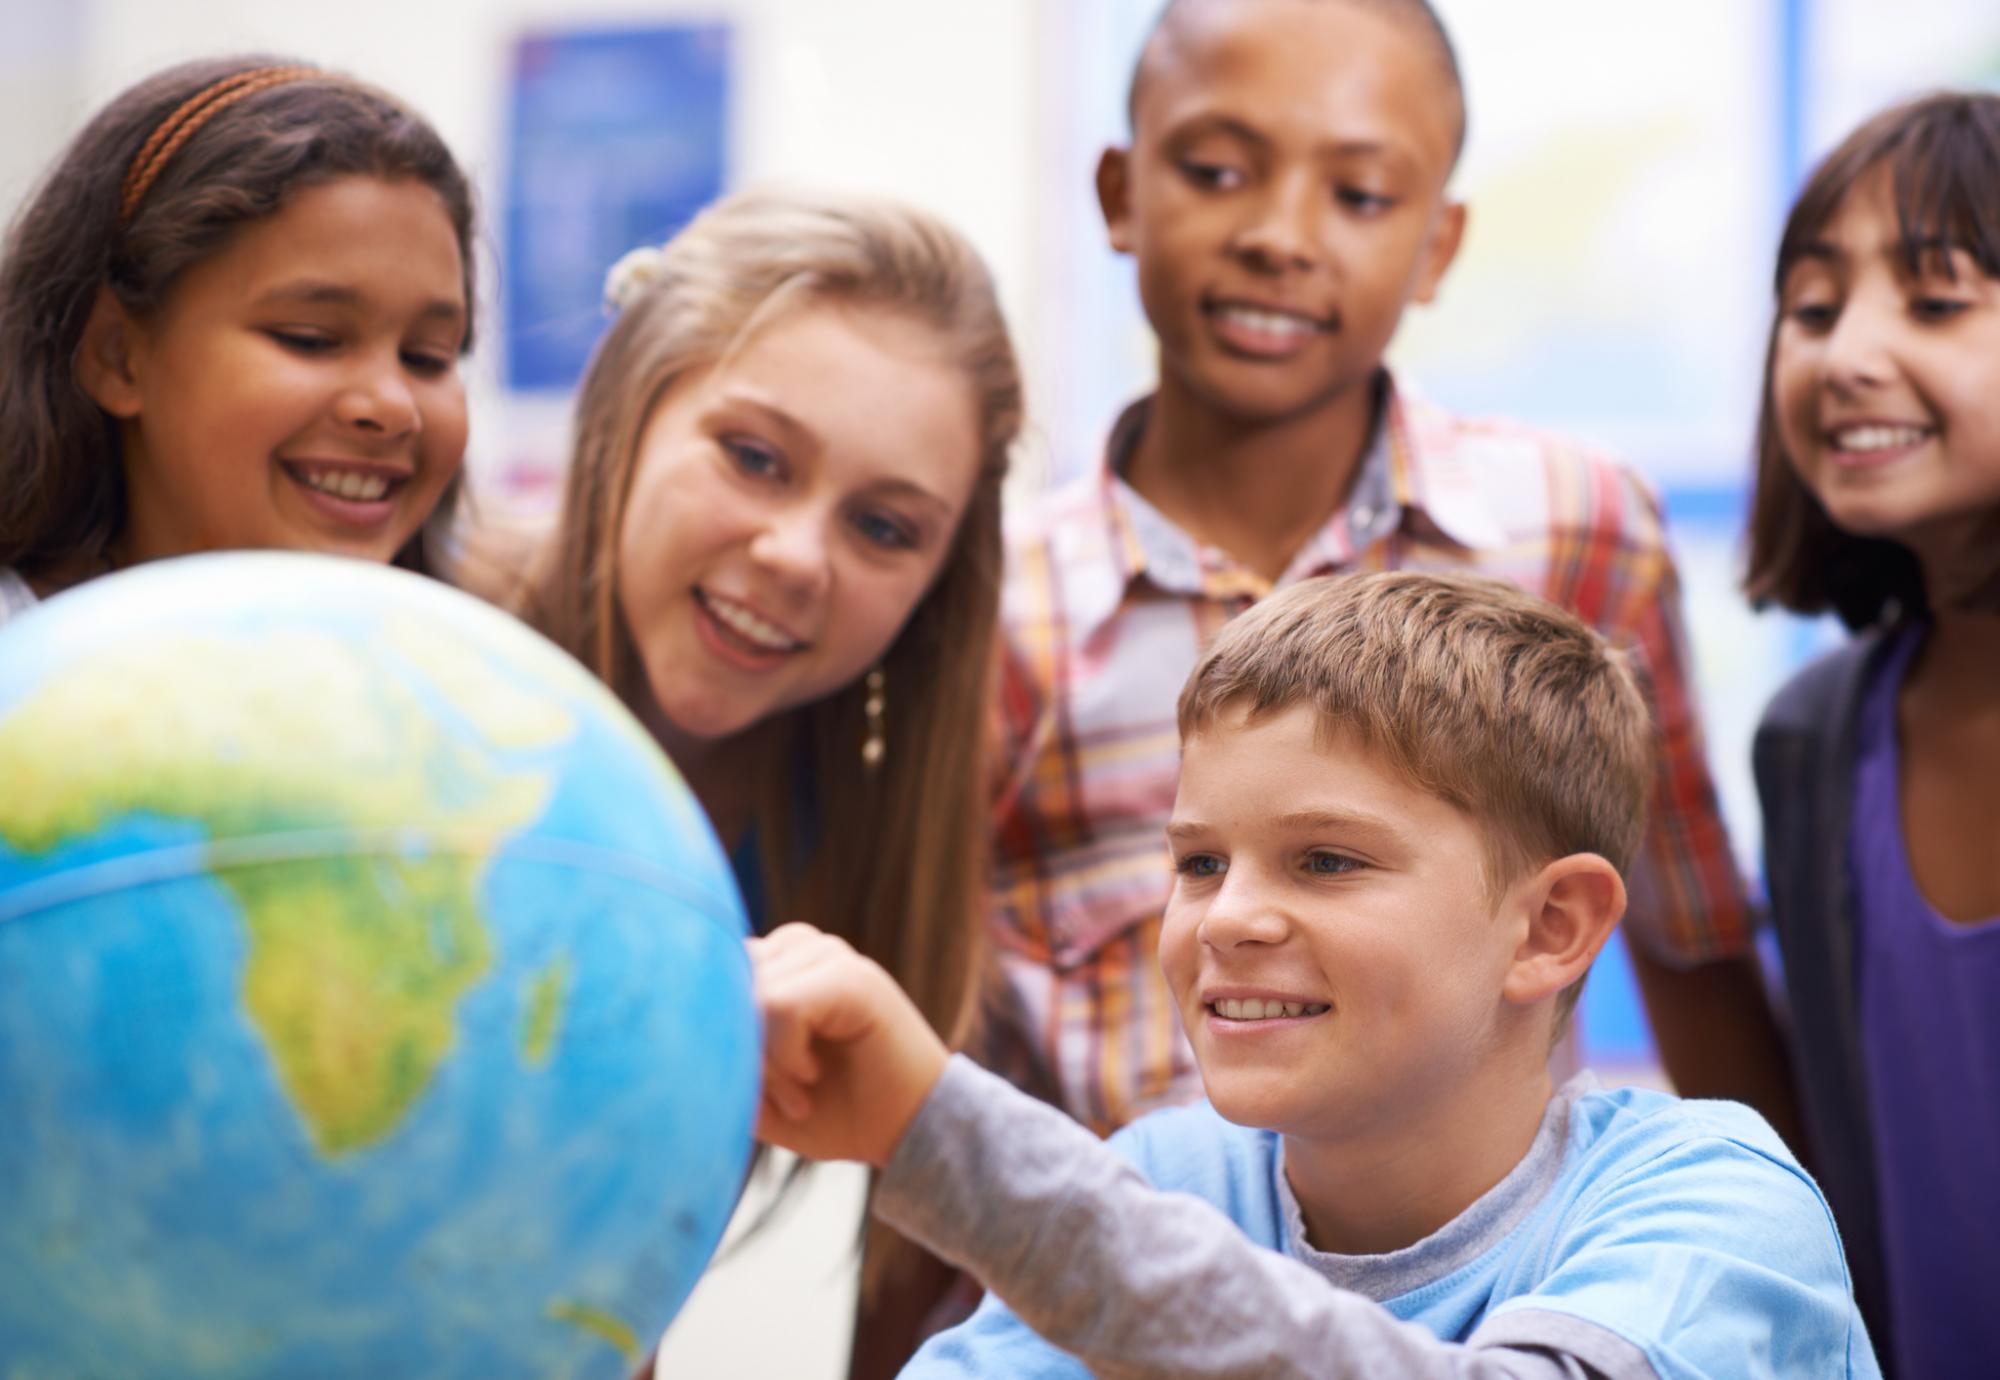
1285,197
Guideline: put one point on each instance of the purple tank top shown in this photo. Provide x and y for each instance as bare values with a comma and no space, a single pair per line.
1930,1034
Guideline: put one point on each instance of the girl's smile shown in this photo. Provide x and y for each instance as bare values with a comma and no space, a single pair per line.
736,633
1881,379
299,389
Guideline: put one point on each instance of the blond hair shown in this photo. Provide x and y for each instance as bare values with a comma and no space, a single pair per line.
893,859
1496,702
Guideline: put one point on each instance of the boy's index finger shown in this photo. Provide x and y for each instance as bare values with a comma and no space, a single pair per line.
782,940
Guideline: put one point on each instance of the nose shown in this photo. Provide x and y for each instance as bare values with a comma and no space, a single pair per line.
792,546
1281,228
1242,913
1858,348
378,401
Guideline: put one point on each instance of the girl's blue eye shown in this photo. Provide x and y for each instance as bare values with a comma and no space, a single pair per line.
752,458
1325,864
1199,865
883,531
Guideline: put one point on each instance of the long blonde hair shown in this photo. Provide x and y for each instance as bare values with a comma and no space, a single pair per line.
892,859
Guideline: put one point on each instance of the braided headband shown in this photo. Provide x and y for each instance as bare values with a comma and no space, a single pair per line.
188,118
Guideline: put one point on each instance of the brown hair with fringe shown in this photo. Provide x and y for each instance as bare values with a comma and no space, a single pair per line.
1499,703
1943,155
244,143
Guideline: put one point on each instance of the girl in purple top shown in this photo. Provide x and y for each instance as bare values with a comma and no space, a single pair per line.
1878,496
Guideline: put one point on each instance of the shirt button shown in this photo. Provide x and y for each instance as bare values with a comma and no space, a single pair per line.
1364,516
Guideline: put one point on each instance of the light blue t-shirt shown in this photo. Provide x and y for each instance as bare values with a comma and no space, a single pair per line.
1640,1234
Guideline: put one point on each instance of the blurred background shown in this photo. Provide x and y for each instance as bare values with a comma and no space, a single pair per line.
1628,168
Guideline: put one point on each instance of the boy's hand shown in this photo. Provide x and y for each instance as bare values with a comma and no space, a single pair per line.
848,1059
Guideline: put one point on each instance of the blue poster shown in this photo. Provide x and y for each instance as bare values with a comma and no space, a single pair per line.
617,137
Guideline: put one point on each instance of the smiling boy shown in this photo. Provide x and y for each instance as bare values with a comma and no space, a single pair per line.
1285,195
1405,801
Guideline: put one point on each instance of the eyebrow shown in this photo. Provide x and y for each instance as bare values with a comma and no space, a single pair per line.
1349,821
1196,125
910,489
314,293
796,431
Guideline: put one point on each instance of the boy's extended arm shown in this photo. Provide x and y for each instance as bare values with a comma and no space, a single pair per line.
1707,1249
1134,1281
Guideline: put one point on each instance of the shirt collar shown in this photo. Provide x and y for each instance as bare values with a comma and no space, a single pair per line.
1413,463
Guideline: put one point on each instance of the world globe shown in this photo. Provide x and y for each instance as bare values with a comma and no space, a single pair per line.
372,992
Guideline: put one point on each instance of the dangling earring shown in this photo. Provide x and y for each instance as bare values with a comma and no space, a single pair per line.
876,744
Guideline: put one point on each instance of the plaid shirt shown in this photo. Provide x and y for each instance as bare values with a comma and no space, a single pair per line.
1108,606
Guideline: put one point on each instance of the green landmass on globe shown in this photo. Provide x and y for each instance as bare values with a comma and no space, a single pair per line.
351,1056
545,1005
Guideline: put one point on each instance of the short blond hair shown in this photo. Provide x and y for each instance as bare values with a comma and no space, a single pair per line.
1495,701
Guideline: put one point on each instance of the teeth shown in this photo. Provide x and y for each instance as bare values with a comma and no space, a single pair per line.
748,625
1862,439
348,484
1253,1009
1268,322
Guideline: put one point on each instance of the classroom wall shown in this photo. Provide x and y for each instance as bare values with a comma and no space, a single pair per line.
1627,167
932,102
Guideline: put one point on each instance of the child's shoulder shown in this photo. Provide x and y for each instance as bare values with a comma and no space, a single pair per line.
1433,427
1697,1150
1818,690
1060,515
1520,479
1661,1201
1065,560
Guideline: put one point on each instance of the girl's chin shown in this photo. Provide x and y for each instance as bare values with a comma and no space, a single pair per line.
690,727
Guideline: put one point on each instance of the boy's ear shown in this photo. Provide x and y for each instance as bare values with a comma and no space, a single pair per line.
104,357
1572,906
1114,197
1441,250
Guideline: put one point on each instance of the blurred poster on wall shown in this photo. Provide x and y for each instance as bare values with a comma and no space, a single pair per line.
616,138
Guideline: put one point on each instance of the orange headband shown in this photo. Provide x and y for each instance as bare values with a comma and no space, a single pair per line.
187,120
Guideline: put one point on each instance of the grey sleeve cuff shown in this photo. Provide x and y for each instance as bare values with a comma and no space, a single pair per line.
1587,1349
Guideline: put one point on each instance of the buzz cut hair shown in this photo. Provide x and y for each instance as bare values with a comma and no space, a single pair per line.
1416,14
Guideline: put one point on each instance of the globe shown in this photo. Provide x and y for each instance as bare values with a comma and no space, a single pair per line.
372,992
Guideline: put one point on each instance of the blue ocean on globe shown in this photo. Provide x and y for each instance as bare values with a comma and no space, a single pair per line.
372,991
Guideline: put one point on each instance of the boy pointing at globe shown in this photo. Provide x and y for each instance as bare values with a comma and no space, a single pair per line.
1404,804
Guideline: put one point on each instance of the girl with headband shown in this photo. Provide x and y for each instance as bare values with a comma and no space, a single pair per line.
232,316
